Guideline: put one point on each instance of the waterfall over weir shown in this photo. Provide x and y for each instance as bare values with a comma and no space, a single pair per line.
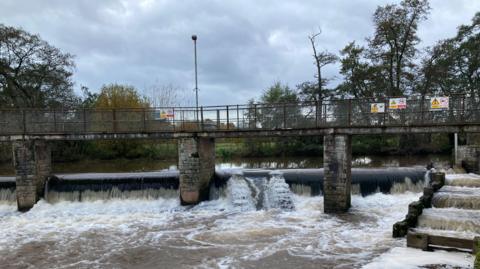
268,188
7,190
246,194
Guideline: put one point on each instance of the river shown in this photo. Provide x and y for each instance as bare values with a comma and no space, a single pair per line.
137,165
159,233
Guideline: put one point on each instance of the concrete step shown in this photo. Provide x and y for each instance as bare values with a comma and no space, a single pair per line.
433,239
459,222
457,197
465,180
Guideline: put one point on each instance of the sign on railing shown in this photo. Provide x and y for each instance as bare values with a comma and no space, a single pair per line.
397,103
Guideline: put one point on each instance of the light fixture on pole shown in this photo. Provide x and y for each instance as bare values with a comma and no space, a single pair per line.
194,38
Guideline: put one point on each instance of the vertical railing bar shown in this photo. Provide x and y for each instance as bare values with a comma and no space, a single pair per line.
54,120
201,117
144,120
24,118
238,118
114,115
255,116
228,120
84,120
349,112
173,118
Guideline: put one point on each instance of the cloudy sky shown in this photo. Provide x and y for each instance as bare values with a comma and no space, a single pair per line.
243,45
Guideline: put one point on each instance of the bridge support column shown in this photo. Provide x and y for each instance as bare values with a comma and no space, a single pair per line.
337,162
196,163
32,163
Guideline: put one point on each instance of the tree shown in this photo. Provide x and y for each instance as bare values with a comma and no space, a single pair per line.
120,96
32,72
120,102
393,46
166,95
322,59
456,62
358,73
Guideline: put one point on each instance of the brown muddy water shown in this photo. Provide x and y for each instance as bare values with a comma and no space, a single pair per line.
162,234
159,233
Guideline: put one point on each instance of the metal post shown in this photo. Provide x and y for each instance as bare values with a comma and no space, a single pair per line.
284,116
218,119
114,117
144,120
173,119
54,121
84,121
24,119
316,113
238,118
255,116
201,115
228,120
194,38
385,113
455,138
349,112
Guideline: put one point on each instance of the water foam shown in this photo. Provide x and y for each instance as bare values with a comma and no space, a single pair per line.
458,197
277,193
239,193
464,223
8,195
142,233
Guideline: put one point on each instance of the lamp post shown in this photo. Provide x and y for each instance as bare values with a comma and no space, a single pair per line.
194,38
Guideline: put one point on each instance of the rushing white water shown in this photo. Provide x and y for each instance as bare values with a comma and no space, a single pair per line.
465,180
450,221
277,193
458,197
8,195
239,193
160,233
109,194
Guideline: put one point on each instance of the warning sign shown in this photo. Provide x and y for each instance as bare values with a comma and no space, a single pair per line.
163,114
377,108
438,103
397,103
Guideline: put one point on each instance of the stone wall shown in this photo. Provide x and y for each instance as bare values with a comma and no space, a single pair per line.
469,158
196,164
32,164
337,173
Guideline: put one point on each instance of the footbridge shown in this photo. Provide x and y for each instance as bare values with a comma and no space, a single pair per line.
31,131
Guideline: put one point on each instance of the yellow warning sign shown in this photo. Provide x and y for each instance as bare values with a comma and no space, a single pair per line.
437,103
397,103
377,108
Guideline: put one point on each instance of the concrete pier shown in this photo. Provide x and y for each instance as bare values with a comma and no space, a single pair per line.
468,157
337,158
196,164
32,163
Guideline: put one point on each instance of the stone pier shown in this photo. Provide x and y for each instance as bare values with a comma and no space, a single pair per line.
469,158
196,163
32,163
337,161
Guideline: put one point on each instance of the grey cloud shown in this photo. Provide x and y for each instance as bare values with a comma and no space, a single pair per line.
243,46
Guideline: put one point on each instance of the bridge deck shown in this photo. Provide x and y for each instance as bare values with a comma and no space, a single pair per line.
352,116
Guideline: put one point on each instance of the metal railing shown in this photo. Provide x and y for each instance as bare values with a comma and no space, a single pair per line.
302,115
